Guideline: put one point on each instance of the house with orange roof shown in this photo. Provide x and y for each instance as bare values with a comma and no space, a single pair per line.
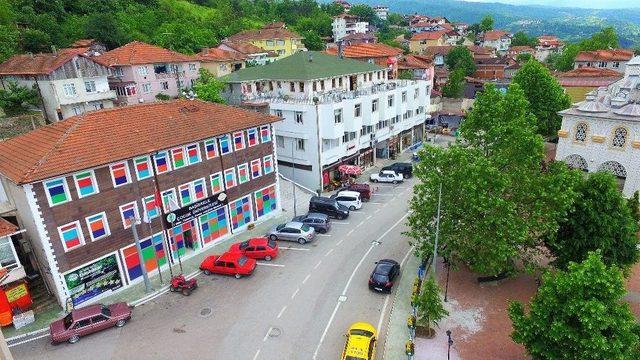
87,182
614,59
421,41
69,81
514,51
547,45
281,41
221,62
253,54
421,67
379,54
497,39
579,82
140,72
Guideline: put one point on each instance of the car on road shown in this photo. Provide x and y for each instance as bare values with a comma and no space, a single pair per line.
257,248
386,176
406,169
363,189
87,320
292,231
349,199
361,342
328,206
383,275
229,263
319,222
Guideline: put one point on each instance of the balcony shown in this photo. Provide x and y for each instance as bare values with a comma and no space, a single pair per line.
88,97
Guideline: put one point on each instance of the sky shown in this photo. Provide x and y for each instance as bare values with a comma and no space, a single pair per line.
591,4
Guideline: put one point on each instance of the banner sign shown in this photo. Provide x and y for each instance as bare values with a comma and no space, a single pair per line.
196,209
94,279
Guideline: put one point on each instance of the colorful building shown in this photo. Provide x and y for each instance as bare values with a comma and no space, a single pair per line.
221,62
421,41
84,179
614,59
281,41
577,83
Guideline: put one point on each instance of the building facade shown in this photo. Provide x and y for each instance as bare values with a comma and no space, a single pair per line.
547,45
346,24
381,11
614,59
602,133
221,62
280,41
89,177
497,39
422,41
336,111
68,81
254,55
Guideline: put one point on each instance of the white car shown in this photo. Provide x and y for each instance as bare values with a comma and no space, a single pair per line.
349,199
386,176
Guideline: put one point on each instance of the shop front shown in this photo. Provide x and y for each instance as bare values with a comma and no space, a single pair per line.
366,158
331,175
93,280
406,139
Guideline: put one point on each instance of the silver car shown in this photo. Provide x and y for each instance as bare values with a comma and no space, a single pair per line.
292,231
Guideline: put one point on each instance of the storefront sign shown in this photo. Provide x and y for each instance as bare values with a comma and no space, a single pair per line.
196,209
94,279
16,293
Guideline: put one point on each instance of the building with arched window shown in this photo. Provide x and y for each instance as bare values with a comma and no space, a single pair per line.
602,133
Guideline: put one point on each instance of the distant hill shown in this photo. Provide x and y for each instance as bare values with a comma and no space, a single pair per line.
567,23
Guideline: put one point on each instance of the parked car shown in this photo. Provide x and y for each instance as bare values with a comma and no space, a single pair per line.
383,275
257,248
292,231
348,199
361,342
406,169
328,206
319,222
386,176
229,263
363,189
87,320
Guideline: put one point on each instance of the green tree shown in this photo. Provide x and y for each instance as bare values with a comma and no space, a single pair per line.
522,39
313,41
105,28
600,220
487,22
454,88
208,87
523,57
429,304
186,38
333,9
405,75
545,95
578,314
397,19
461,58
634,205
365,13
36,41
9,36
17,99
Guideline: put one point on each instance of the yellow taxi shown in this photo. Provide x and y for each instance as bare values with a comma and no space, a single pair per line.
361,342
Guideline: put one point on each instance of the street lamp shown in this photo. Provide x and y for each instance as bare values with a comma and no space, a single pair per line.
446,287
450,342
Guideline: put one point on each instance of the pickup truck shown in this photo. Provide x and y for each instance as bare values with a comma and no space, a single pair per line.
386,176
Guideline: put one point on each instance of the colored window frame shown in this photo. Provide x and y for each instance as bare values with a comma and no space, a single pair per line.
125,208
193,153
164,157
185,195
217,183
178,158
123,165
243,173
139,165
238,141
265,134
267,163
252,137
166,195
230,178
199,184
72,226
100,217
80,178
210,148
225,144
151,213
256,168
55,183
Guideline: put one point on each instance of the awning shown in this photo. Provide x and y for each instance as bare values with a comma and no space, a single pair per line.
350,169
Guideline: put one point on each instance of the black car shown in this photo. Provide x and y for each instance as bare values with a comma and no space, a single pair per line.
328,206
383,275
406,169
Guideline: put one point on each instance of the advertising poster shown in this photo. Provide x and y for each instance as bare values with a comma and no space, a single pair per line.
94,279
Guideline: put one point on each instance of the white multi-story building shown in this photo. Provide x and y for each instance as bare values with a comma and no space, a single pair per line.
346,24
497,39
68,81
381,11
603,132
336,111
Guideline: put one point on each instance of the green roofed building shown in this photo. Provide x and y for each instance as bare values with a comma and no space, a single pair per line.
336,112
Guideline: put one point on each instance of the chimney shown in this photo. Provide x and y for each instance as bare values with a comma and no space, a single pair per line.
340,50
53,50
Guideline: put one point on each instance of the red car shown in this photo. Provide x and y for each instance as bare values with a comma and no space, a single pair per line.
257,248
229,263
87,320
363,189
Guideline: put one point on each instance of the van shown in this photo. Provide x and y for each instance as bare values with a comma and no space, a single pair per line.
349,199
329,207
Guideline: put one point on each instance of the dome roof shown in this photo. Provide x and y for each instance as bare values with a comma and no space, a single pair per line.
629,110
634,61
592,107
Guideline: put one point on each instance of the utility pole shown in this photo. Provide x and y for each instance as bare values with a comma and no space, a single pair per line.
145,276
435,246
5,354
293,180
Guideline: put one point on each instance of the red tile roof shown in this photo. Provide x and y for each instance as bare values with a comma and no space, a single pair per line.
105,136
274,25
264,34
39,64
493,35
137,53
83,43
7,228
244,47
414,62
520,49
429,35
605,55
217,55
367,51
588,77
549,40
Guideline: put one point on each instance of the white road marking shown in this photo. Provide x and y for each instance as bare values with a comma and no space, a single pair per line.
256,355
267,264
340,222
266,336
384,308
293,248
305,279
324,235
318,264
324,333
359,212
350,232
383,194
360,224
295,293
369,217
29,340
376,203
282,311
378,209
340,242
328,252
406,256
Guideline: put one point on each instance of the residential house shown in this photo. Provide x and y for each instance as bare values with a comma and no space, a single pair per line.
602,133
514,51
579,82
460,27
345,5
497,39
381,11
491,68
336,111
283,42
438,53
92,47
140,72
345,24
253,54
421,67
8,256
275,25
380,54
614,59
359,38
88,179
547,45
221,62
421,41
68,81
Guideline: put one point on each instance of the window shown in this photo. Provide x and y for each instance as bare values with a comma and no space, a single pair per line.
278,113
366,130
169,200
230,178
120,174
199,189
179,83
76,110
404,96
98,226
292,86
184,191
150,207
340,82
322,85
333,83
69,90
225,144
117,71
280,42
370,76
357,110
243,173
210,148
301,86
252,137
267,163
265,133
269,43
581,132
619,137
256,168
85,183
161,160
298,116
616,64
314,86
349,136
390,100
216,183
71,236
193,153
337,116
300,144
179,160
146,88
142,166
164,85
142,70
280,141
90,86
128,211
416,93
192,67
238,140
374,105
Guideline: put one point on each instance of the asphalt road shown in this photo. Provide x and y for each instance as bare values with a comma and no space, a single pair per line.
298,306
